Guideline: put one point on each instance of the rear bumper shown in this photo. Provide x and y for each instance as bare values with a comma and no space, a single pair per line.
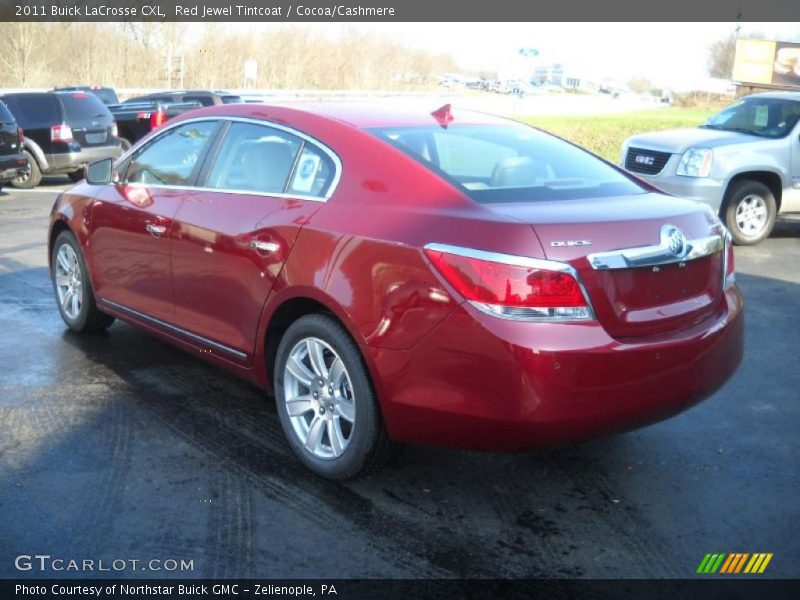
11,166
72,161
486,383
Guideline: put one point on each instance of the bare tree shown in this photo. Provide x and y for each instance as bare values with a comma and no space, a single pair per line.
721,53
23,58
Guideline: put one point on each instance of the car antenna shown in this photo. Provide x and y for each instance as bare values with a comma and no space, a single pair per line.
443,115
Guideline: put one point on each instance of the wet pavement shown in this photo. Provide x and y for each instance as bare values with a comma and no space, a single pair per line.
118,446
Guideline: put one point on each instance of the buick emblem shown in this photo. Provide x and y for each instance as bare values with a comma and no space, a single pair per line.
675,241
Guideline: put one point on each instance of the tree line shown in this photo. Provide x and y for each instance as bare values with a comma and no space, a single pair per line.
134,55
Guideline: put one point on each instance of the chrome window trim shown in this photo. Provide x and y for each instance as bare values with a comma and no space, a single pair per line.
519,261
657,254
173,328
337,163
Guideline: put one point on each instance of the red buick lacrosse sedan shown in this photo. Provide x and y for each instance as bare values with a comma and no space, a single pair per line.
394,276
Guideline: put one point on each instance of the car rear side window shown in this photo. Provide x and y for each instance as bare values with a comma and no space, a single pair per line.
509,163
170,159
82,106
33,111
202,100
262,159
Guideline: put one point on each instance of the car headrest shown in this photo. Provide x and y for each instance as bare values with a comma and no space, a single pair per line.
518,171
266,166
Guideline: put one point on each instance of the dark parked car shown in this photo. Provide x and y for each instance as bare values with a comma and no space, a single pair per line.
64,131
203,97
136,119
405,276
106,94
12,162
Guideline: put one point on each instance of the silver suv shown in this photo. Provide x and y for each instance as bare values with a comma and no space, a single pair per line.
744,162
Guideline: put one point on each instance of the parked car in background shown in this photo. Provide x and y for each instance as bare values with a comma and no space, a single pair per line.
63,132
136,119
106,94
203,97
744,162
13,162
396,275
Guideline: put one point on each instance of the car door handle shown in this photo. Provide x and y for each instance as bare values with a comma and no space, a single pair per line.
269,247
155,230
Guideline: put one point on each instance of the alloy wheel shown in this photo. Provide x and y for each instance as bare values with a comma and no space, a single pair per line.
69,281
319,398
751,215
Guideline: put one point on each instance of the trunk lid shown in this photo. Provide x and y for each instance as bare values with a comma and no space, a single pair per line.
9,144
90,120
631,301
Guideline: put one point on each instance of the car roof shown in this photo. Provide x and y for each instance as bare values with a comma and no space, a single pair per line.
361,114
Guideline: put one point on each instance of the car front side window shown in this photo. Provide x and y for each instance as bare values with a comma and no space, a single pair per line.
170,159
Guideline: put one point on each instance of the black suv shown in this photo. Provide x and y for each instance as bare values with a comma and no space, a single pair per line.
203,97
64,131
12,162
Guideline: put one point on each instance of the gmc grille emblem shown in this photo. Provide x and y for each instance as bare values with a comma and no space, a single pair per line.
644,160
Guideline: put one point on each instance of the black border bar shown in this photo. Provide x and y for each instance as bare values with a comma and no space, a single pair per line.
403,10
717,588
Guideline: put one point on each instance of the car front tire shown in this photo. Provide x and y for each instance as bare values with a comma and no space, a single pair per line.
326,403
72,287
32,178
749,212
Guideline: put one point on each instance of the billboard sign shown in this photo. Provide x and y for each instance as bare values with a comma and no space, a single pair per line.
767,62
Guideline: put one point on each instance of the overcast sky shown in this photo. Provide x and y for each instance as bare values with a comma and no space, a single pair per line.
670,54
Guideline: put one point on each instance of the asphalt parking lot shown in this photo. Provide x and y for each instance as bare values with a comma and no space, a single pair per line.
118,446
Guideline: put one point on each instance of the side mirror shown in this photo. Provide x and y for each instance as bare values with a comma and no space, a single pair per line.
99,173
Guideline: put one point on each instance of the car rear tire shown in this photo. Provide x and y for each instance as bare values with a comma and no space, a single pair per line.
749,212
72,287
326,403
76,176
32,178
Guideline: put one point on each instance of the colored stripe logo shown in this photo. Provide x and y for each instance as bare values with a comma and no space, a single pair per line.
734,562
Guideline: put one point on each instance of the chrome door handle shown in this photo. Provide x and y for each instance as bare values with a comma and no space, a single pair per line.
156,230
270,247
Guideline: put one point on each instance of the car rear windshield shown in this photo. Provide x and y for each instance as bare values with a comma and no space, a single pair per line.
106,95
5,114
82,106
509,163
34,110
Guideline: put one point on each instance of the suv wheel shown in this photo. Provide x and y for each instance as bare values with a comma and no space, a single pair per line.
73,289
325,401
749,212
32,178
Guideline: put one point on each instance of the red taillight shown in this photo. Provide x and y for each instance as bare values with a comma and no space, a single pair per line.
20,136
157,119
61,133
513,287
730,270
115,130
